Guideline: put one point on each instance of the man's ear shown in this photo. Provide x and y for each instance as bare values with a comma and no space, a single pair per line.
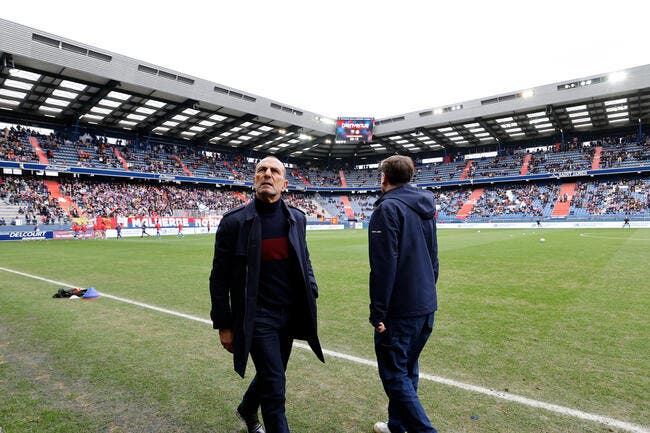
384,180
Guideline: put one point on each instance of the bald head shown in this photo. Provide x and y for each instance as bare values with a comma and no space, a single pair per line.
270,179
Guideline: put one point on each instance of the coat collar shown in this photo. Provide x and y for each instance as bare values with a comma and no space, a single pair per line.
250,212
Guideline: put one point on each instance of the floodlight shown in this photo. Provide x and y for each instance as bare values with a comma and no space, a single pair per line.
12,93
19,84
217,117
118,95
615,77
24,74
58,102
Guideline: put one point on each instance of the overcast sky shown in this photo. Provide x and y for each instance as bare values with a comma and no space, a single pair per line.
360,58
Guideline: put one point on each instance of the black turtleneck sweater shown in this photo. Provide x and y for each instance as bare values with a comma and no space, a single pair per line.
276,283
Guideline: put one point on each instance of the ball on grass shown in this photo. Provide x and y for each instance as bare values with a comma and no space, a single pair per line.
542,240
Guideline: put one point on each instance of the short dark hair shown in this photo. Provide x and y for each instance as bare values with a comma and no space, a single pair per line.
398,169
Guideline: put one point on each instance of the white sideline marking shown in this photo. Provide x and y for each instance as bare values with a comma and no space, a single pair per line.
593,236
634,428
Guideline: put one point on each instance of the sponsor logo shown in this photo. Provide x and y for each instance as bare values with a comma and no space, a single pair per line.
36,234
570,173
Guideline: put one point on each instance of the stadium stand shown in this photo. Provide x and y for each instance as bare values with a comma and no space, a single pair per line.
30,199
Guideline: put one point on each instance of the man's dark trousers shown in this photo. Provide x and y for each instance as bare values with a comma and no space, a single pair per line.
398,349
270,353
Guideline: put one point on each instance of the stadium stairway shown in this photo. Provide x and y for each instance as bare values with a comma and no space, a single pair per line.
467,207
232,170
38,151
467,167
183,166
524,166
349,212
242,197
344,183
595,164
9,212
562,207
120,158
66,202
297,174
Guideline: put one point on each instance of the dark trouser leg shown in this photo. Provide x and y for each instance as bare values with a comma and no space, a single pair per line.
270,353
398,350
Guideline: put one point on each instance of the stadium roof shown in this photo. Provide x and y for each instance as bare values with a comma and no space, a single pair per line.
53,80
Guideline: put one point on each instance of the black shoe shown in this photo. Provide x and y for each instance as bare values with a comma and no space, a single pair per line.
252,422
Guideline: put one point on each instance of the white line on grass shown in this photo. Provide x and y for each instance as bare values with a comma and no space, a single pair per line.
590,235
634,428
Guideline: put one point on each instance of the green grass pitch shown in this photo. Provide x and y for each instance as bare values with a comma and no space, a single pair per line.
564,322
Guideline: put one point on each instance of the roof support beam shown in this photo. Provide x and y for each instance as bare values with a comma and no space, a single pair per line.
86,106
208,133
264,138
488,128
550,111
152,124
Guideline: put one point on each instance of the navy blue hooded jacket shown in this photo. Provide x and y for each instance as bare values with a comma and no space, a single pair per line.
403,252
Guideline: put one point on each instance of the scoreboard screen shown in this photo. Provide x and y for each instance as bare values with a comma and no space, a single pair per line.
354,129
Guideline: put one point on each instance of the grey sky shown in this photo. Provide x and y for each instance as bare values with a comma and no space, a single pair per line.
360,58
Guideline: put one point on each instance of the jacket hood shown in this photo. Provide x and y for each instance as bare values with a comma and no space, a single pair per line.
419,200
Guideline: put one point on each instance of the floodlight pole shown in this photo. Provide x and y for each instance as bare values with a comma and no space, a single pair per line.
75,131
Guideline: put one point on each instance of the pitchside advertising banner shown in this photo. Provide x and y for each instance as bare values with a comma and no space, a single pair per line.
132,226
89,229
150,222
35,235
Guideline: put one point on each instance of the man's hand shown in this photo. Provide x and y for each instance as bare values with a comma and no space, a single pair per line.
381,328
226,339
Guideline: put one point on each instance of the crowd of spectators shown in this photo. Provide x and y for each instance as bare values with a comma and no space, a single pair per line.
175,159
113,198
122,198
320,177
626,196
307,203
515,201
450,201
620,154
35,205
15,146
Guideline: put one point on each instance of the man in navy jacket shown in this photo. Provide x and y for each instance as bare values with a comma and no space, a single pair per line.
403,251
263,293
